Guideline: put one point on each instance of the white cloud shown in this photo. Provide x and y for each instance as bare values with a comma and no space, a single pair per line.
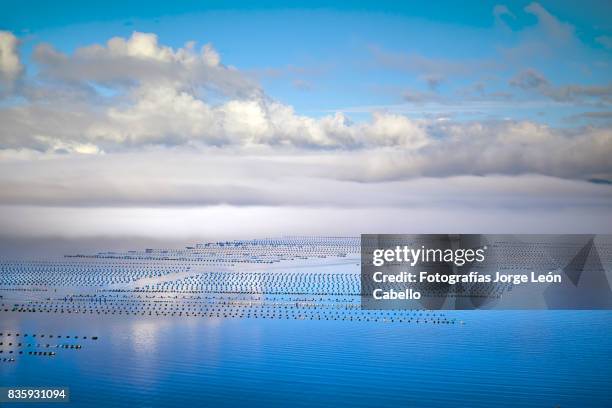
10,65
140,59
158,99
391,146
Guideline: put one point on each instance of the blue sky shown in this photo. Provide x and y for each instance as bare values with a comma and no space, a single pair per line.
358,57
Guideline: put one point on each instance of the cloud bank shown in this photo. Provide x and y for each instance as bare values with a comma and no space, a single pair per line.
122,131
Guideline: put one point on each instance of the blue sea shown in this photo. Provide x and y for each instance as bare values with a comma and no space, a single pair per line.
488,359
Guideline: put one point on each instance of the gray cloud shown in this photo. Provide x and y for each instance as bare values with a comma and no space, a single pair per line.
605,40
553,26
501,10
600,93
440,69
433,81
531,79
419,97
548,35
301,84
548,39
596,115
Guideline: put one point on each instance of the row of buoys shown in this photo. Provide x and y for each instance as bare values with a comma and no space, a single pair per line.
31,353
15,347
35,345
175,302
41,353
178,306
34,335
262,282
23,289
293,316
272,315
264,251
67,274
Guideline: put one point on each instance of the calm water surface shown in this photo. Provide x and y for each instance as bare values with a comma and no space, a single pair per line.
495,359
